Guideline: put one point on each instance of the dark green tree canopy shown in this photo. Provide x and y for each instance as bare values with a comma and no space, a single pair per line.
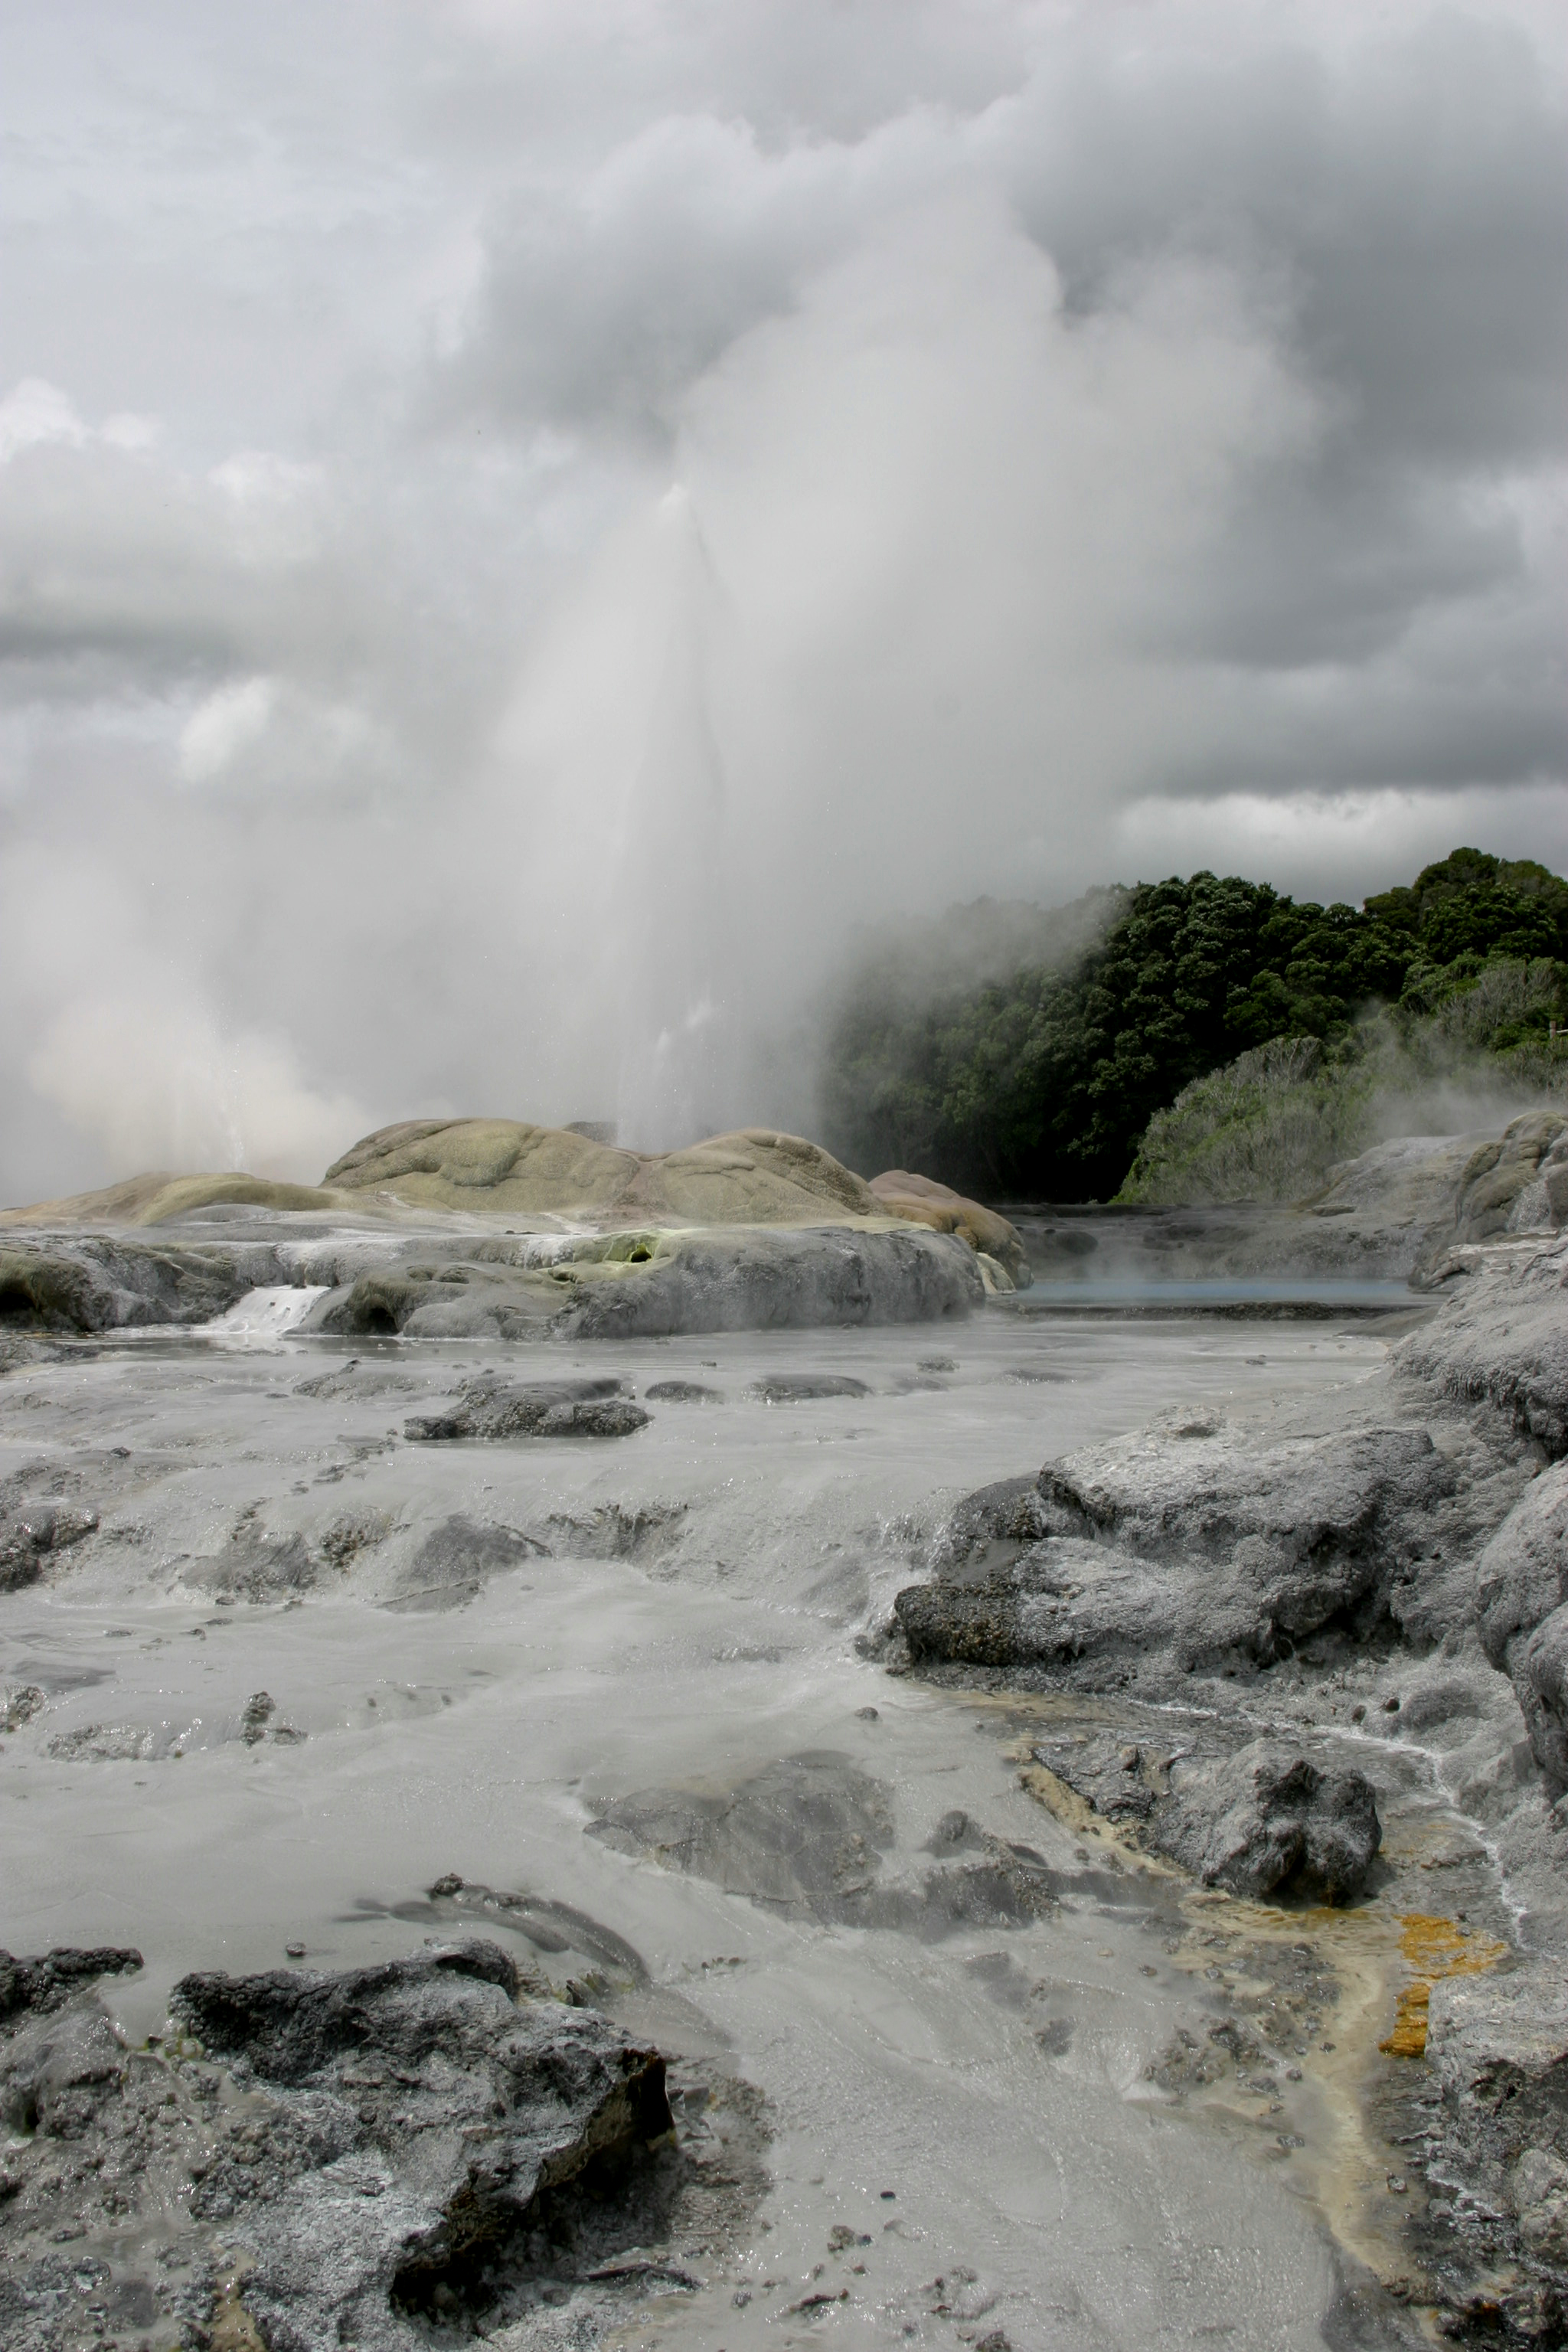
1039,1084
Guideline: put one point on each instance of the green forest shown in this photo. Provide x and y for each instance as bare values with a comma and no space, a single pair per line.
1038,1081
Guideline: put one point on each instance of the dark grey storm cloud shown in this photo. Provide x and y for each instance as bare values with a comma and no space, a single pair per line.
520,525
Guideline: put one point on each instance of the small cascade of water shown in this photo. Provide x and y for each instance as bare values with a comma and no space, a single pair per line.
672,916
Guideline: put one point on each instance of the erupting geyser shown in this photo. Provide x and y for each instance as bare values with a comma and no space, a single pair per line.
671,898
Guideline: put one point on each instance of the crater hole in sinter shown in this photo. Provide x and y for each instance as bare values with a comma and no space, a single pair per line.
378,1319
624,2197
16,1306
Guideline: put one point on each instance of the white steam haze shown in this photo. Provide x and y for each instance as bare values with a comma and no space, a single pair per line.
522,525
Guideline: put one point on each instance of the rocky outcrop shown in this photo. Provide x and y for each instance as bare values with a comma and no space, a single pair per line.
39,1987
1258,1819
1500,1175
1497,2051
99,1285
159,1198
755,1176
1190,1548
640,1283
1521,1609
1265,1822
324,2158
27,1536
1398,1211
782,1280
925,1202
1502,1336
646,1286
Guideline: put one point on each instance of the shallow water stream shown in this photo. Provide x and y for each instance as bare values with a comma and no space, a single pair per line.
963,2135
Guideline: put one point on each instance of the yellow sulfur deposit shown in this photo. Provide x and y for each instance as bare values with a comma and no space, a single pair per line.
1433,1948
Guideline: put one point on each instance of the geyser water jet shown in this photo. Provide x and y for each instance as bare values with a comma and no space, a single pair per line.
672,946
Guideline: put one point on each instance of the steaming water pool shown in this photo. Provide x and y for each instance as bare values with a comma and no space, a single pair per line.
1058,1292
694,1622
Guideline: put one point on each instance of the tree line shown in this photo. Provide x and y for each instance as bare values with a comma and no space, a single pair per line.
1038,1084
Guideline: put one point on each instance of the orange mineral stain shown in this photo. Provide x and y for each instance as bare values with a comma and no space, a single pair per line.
1433,1948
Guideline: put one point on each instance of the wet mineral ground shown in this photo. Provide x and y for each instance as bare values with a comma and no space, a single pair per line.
704,1841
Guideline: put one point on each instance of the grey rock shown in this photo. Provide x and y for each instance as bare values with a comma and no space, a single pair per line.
802,1836
21,1705
1261,1821
1080,1608
615,1530
537,1409
40,1985
456,1560
1267,1822
447,1300
87,1284
1541,1684
1190,1545
990,1528
105,1743
1118,1779
801,1388
375,2152
260,1709
682,1392
1500,1170
624,1287
256,1564
809,1836
782,1279
27,1536
1502,1338
415,2114
53,2066
1497,2048
1522,1575
1521,1590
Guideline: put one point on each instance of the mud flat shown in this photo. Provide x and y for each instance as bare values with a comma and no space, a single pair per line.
292,1690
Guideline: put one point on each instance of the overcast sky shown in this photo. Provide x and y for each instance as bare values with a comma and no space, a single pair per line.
521,521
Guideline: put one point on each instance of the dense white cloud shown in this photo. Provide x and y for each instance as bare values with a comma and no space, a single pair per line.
1106,441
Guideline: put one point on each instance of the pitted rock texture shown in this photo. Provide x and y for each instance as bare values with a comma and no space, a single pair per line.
359,2157
1260,1820
1497,2051
1266,1823
41,1986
